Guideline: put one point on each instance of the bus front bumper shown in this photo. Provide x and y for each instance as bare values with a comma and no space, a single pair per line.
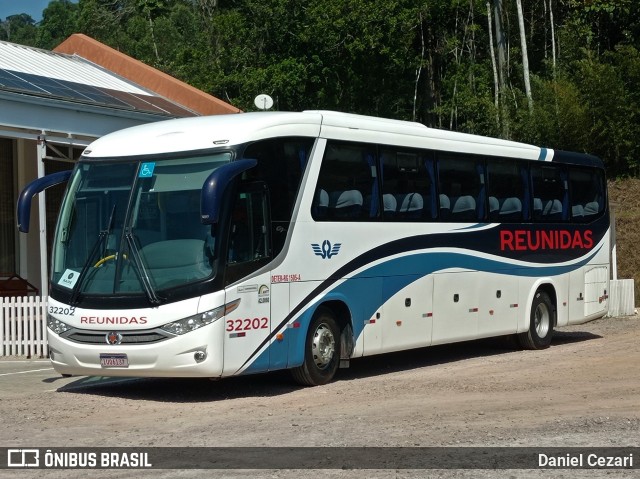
190,355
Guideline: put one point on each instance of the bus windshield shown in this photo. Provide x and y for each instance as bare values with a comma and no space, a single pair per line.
133,227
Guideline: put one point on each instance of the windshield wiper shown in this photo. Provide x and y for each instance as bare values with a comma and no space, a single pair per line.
141,270
104,234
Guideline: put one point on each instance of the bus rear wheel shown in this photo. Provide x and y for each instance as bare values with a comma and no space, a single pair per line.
322,351
541,323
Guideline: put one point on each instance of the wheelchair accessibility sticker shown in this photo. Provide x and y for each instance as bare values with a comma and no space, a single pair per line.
146,170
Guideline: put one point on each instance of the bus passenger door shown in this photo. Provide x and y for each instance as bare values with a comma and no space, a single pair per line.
249,250
407,315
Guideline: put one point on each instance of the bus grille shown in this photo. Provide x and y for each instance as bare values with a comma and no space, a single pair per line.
128,337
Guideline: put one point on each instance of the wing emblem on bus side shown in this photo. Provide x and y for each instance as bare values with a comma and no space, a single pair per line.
327,250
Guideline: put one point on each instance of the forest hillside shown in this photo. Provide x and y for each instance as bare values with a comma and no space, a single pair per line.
563,74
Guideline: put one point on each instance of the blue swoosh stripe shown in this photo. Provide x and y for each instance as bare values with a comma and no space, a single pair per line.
410,268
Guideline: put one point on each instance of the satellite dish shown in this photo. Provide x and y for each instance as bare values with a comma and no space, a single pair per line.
263,101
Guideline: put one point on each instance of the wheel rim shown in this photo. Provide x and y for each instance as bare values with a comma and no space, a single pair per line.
542,320
324,346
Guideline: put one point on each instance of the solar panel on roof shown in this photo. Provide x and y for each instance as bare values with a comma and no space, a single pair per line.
50,85
43,86
11,80
168,106
137,101
99,95
71,90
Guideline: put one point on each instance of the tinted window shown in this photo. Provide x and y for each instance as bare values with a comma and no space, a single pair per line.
506,190
461,187
408,189
281,164
587,193
347,184
550,193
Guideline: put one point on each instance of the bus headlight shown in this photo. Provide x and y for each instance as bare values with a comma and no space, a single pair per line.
56,325
199,320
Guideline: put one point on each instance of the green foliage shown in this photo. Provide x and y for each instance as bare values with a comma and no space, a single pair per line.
59,20
19,28
429,61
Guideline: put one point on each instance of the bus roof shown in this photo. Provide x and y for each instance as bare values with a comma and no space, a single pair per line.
201,133
206,132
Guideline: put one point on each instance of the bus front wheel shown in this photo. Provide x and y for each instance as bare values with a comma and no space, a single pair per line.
322,351
540,323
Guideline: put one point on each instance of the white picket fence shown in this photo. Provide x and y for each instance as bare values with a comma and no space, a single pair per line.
23,327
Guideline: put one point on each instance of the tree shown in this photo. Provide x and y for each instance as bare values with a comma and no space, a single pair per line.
433,62
501,48
59,21
525,56
494,68
20,28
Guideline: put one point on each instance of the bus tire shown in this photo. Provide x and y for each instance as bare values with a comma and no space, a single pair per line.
322,351
541,322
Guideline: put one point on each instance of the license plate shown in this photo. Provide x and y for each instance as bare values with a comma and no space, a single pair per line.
119,360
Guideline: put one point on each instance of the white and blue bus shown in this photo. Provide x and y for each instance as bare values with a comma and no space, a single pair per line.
237,244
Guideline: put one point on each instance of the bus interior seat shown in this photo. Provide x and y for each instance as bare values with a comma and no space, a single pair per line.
146,236
494,208
390,204
464,209
410,205
511,209
577,211
591,208
553,210
321,204
345,204
445,206
494,204
537,208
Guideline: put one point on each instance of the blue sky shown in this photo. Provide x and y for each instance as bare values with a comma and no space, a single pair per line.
32,7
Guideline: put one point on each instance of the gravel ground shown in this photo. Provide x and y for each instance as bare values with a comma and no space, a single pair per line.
582,391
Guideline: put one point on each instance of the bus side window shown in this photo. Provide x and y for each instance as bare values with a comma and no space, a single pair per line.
348,180
408,185
587,193
549,185
506,190
281,165
460,181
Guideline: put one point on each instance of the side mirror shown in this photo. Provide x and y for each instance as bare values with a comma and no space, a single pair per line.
215,186
36,186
